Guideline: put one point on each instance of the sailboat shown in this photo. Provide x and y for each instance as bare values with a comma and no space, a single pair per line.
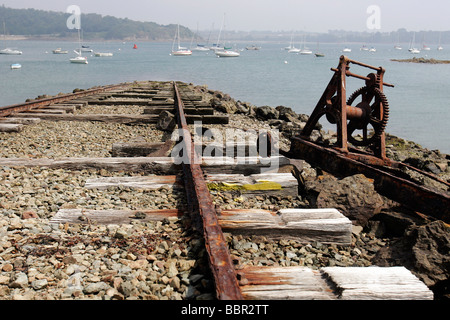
292,48
79,59
397,46
9,51
216,46
305,50
439,46
180,51
198,47
225,52
413,49
318,53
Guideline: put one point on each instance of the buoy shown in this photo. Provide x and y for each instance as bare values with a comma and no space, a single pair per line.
135,46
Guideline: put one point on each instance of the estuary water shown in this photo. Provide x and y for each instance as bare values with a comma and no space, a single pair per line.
419,102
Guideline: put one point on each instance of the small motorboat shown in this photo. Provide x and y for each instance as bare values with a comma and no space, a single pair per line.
16,66
60,51
103,54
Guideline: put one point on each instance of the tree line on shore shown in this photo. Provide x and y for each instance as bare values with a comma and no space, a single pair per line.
33,23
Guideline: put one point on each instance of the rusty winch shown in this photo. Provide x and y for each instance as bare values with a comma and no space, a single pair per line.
360,147
361,118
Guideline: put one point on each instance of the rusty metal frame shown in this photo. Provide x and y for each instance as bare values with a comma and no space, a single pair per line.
336,89
227,287
343,160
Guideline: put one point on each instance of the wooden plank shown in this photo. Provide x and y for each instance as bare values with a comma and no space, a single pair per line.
238,221
114,118
377,283
11,127
68,109
156,165
244,165
273,183
158,109
189,111
208,119
77,106
149,165
134,95
152,182
283,283
282,184
20,120
77,102
49,111
81,216
303,225
241,149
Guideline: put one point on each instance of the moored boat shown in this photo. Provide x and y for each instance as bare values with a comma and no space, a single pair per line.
227,53
60,51
103,54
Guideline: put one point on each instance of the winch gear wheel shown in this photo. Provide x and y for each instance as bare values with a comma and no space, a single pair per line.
373,97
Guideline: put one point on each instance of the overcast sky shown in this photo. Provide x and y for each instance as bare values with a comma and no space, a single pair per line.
274,15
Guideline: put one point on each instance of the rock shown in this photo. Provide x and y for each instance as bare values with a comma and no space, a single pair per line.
225,106
175,283
21,281
396,222
39,284
286,114
242,108
266,113
96,287
29,215
171,269
354,196
4,280
166,121
425,251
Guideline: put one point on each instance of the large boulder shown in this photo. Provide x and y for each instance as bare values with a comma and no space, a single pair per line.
225,106
286,114
267,113
425,251
354,196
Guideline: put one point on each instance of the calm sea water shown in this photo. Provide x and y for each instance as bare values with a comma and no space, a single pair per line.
419,103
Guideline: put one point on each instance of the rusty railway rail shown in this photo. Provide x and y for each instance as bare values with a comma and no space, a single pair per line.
227,287
40,103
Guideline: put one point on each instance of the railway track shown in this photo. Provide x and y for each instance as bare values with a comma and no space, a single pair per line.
190,158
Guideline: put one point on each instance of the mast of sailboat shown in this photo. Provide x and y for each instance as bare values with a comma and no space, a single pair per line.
220,31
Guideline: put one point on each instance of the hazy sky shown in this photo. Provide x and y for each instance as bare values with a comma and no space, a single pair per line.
274,15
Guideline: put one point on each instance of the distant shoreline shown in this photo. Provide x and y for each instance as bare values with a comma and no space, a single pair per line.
423,60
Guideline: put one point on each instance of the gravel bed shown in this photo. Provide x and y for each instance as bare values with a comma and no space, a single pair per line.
38,260
100,109
49,139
